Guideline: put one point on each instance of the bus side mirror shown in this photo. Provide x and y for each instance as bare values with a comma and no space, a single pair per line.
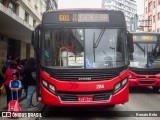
36,38
130,42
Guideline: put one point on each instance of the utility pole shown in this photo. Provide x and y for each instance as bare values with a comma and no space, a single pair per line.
51,4
47,7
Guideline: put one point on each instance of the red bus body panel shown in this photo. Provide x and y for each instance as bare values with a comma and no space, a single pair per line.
50,98
143,80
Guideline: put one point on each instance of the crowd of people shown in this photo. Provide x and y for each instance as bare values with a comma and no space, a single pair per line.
16,75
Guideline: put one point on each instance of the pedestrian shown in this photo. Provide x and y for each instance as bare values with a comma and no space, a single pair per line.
8,77
15,84
1,81
20,68
29,81
3,69
7,62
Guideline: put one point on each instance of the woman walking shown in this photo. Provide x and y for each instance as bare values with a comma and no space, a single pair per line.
29,81
8,77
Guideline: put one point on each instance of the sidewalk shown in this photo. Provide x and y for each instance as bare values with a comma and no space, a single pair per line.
3,106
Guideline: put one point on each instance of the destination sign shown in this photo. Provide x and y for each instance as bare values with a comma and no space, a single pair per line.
145,38
83,17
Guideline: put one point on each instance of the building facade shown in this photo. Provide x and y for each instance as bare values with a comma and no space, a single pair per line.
152,15
17,21
128,7
141,21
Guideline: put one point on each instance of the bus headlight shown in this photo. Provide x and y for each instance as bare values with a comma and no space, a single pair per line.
117,86
120,85
158,75
124,82
49,87
44,83
52,89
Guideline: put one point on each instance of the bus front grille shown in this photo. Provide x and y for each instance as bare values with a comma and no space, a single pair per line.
145,71
85,76
74,97
146,82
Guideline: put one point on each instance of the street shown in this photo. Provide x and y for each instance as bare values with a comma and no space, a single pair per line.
140,100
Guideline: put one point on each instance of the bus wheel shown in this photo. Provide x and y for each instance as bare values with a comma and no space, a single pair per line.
111,106
156,89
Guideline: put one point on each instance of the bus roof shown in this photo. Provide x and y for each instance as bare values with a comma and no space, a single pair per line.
145,33
68,9
79,17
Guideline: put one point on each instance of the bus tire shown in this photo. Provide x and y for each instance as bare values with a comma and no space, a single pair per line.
155,89
111,106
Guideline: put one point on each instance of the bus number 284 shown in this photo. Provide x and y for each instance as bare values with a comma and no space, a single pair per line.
100,86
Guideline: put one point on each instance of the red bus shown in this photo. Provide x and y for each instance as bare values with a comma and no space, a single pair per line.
145,60
82,57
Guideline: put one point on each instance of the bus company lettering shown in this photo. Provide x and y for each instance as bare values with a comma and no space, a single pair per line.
144,38
83,17
85,78
147,37
134,37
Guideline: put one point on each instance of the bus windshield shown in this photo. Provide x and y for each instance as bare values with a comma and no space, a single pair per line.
146,55
88,48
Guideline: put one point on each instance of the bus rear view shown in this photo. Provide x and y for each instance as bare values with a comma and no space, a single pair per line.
82,57
145,61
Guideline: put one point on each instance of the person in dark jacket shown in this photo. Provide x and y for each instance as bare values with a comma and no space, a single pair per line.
1,81
20,68
8,77
29,81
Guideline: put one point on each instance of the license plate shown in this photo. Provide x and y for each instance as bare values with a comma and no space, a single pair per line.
85,98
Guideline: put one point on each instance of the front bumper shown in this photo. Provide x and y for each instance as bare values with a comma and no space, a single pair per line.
144,82
118,98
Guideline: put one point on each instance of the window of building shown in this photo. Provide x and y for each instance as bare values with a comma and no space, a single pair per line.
158,2
150,20
159,16
150,6
34,22
12,6
146,10
154,19
158,30
109,1
154,4
26,17
35,7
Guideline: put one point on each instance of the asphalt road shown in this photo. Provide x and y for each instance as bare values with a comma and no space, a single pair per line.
143,104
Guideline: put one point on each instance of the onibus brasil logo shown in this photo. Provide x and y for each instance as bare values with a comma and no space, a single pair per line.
21,114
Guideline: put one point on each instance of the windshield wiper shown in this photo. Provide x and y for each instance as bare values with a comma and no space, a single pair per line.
143,50
95,45
155,47
66,32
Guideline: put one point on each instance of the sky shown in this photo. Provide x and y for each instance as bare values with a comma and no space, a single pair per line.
92,4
